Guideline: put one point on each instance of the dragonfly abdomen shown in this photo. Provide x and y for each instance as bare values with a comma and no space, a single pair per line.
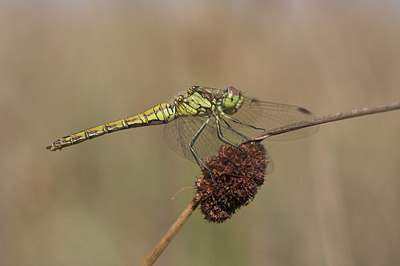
159,114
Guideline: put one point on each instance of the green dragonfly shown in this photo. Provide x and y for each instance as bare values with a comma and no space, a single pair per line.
201,119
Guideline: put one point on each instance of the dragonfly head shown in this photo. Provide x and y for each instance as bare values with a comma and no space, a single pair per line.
232,100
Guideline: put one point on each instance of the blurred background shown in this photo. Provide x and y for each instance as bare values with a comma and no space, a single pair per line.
332,198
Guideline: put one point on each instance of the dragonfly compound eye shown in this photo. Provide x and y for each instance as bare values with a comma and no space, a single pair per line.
232,100
233,91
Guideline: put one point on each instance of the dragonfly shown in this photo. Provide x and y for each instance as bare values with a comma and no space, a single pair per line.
201,119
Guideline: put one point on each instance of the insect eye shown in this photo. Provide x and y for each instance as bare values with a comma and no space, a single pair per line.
232,91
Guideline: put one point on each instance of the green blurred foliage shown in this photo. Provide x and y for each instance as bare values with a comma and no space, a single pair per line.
332,198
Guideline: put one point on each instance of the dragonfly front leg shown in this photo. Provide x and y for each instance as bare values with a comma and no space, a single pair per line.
219,131
199,160
233,130
240,122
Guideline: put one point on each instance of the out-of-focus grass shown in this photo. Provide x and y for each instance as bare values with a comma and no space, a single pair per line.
332,198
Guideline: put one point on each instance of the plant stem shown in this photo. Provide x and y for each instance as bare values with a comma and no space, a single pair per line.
327,119
172,231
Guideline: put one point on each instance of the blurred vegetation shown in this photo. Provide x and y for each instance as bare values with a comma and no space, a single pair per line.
332,198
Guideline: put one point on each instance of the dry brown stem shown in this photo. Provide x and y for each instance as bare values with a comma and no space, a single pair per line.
172,231
327,119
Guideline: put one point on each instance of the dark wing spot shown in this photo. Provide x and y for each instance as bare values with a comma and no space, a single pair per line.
254,100
303,110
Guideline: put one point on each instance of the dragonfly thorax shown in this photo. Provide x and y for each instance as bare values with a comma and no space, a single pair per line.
195,102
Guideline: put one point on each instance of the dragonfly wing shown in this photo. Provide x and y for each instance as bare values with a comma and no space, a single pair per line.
269,115
180,132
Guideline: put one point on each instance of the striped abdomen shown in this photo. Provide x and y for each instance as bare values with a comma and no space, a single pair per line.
160,114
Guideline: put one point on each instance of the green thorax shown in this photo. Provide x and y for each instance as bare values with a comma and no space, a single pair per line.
196,101
200,101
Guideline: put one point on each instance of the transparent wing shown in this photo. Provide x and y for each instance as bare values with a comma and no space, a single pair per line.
180,132
268,115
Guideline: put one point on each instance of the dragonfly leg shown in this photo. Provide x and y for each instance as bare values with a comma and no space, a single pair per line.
240,122
200,161
221,136
232,129
219,131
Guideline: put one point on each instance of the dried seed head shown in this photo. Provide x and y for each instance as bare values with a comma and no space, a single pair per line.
236,175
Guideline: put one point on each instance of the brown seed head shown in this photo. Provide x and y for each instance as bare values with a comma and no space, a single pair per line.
236,176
